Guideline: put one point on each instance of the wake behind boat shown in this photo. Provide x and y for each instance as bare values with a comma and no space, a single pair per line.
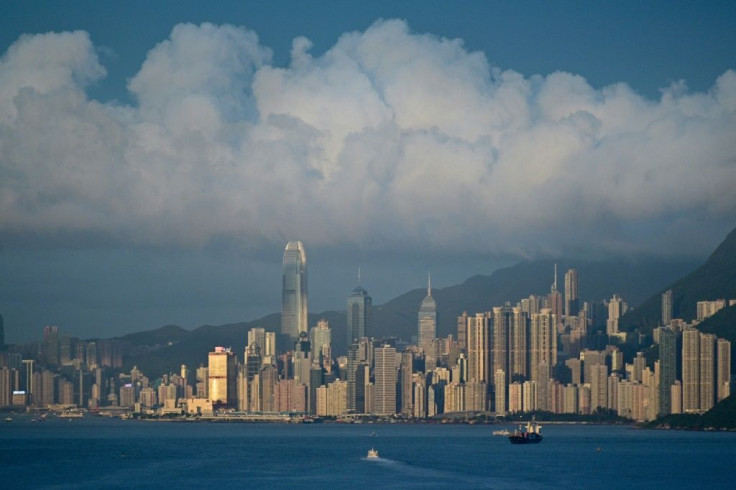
531,434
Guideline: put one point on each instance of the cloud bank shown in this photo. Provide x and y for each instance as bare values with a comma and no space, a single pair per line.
390,140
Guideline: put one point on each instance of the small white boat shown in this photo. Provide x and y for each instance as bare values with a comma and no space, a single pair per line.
502,432
372,454
8,419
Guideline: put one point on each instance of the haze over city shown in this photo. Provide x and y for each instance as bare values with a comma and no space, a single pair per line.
155,160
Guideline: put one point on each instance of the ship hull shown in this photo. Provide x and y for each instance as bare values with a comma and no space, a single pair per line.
531,439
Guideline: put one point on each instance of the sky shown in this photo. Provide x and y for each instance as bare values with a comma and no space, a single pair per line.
156,157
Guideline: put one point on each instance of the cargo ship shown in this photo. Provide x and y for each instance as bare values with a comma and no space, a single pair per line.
529,434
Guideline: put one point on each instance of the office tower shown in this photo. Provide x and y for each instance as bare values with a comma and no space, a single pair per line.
707,368
2,333
572,301
616,309
543,345
294,291
427,319
51,345
667,368
257,335
554,300
302,358
359,357
269,350
462,331
222,377
724,369
519,345
203,383
320,338
501,324
252,360
479,348
406,375
667,307
360,314
690,370
384,396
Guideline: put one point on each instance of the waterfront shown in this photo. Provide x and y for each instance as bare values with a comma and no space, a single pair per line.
96,452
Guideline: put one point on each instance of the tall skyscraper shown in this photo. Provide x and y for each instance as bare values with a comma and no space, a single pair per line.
690,370
519,345
723,380
543,346
554,300
384,401
572,305
667,368
616,309
479,348
222,377
707,371
667,307
500,341
427,319
360,314
294,291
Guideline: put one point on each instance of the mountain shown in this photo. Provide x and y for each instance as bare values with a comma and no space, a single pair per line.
634,280
164,350
720,417
715,279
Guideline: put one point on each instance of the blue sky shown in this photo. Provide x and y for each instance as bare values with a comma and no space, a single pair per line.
156,158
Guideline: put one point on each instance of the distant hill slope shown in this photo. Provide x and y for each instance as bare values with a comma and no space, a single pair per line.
634,280
715,279
720,417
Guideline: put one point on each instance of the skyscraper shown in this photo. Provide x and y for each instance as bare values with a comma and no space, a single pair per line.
222,377
360,314
690,370
294,291
667,307
723,374
384,402
667,369
572,306
427,319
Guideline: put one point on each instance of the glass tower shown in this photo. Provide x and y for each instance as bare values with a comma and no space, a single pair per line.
360,314
427,330
294,291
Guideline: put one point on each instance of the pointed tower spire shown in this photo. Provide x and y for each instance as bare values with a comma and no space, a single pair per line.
429,284
554,284
358,275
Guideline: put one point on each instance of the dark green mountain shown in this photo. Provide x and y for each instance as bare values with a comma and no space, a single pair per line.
720,417
634,280
715,279
164,350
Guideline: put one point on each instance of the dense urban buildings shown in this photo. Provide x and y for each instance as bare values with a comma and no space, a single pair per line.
549,352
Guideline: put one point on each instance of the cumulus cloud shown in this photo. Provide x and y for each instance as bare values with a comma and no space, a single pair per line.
390,139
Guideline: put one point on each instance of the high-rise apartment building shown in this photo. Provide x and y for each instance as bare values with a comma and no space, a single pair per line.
543,346
667,368
519,345
427,319
360,314
294,306
707,371
667,307
723,375
479,348
572,301
384,391
690,370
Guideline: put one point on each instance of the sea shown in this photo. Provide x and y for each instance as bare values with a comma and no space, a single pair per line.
108,453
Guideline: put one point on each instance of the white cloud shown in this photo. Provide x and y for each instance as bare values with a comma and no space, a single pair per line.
390,139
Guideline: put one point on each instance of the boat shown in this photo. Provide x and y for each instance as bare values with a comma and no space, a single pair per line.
529,434
372,454
502,432
8,419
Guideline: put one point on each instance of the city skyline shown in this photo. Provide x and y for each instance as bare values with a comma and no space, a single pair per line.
151,171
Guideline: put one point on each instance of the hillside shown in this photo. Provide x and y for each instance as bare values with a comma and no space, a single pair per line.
720,417
164,350
715,279
634,280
